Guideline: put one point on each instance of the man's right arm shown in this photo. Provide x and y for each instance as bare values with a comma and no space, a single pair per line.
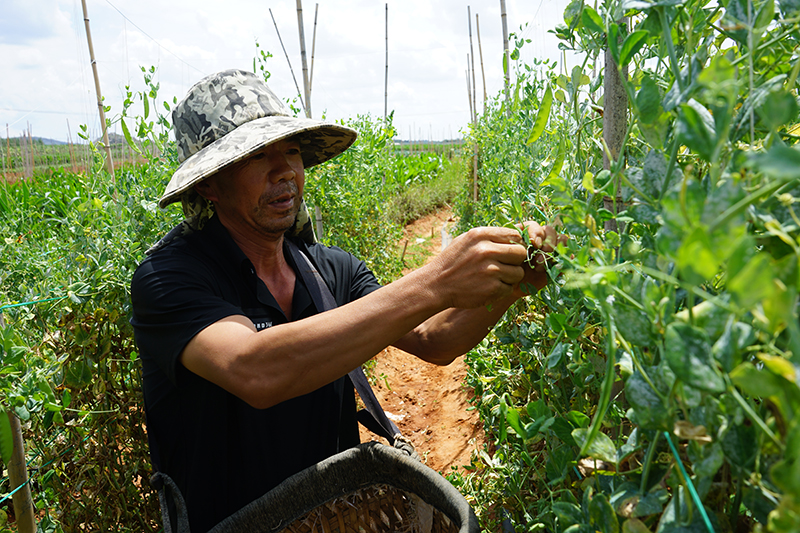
267,367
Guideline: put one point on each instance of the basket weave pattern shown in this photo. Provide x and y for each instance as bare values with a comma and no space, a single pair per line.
373,509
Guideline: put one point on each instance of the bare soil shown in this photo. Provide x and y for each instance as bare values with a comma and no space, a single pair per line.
428,403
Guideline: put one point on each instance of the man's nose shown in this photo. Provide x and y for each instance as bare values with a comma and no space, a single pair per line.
282,170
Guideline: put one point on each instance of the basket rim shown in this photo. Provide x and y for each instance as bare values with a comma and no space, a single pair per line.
367,464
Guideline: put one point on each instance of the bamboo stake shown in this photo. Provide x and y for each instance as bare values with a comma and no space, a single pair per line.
8,146
32,152
472,67
23,150
18,476
318,216
469,95
299,94
480,51
386,77
506,52
313,47
71,150
303,57
109,161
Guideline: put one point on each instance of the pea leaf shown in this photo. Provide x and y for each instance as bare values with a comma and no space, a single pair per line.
6,438
631,45
650,412
688,354
648,101
602,515
696,129
601,447
592,20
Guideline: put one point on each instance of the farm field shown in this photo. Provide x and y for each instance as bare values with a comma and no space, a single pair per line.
652,386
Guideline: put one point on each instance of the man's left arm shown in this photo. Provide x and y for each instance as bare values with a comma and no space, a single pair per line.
453,332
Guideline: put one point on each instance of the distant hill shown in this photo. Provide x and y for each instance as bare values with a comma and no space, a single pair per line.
48,142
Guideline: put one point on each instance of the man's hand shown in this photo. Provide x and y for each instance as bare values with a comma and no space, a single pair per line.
543,242
485,265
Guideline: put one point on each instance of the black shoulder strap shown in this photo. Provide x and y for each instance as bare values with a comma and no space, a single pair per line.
373,418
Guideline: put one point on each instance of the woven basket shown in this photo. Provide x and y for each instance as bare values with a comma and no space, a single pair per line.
371,488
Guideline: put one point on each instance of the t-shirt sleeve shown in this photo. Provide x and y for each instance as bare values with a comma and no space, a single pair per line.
173,300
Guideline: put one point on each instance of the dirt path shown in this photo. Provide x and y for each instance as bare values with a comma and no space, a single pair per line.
428,403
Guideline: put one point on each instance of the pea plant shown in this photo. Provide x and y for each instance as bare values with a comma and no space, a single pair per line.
654,385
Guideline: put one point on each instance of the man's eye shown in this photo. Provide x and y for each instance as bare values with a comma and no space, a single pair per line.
293,151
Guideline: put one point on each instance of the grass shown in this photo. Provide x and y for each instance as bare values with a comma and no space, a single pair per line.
420,199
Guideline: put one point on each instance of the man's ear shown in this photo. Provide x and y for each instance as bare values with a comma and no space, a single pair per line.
207,190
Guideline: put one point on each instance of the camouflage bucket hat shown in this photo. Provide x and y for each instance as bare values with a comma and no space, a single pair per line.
230,115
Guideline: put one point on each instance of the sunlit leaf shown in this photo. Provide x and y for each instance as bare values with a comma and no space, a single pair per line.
632,44
601,447
591,20
780,162
754,282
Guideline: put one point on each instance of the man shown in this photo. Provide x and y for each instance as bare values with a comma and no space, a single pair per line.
244,378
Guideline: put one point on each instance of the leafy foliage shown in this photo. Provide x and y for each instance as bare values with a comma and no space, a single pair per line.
679,328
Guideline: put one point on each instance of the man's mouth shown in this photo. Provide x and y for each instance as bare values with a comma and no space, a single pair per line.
284,201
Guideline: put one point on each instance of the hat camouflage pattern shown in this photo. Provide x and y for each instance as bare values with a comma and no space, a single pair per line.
230,115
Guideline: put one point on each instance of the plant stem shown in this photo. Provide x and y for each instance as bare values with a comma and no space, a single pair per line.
742,204
755,418
648,461
673,58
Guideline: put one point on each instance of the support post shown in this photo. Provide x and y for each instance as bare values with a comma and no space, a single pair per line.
480,51
615,124
299,94
318,216
386,77
18,476
507,60
109,161
303,57
313,48
472,67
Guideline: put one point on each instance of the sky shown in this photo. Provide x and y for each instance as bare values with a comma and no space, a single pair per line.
46,80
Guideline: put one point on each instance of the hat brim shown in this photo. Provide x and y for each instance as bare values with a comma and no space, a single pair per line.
319,142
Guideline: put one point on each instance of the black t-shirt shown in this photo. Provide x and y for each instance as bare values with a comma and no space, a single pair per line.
221,452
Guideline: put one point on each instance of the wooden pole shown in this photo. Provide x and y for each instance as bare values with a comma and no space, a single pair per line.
303,57
507,56
615,124
472,67
386,76
71,150
8,146
109,161
480,51
32,149
313,47
318,216
299,94
469,95
18,476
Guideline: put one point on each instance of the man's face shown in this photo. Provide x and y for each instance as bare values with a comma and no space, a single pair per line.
263,192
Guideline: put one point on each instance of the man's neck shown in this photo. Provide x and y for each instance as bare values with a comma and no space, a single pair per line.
265,251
